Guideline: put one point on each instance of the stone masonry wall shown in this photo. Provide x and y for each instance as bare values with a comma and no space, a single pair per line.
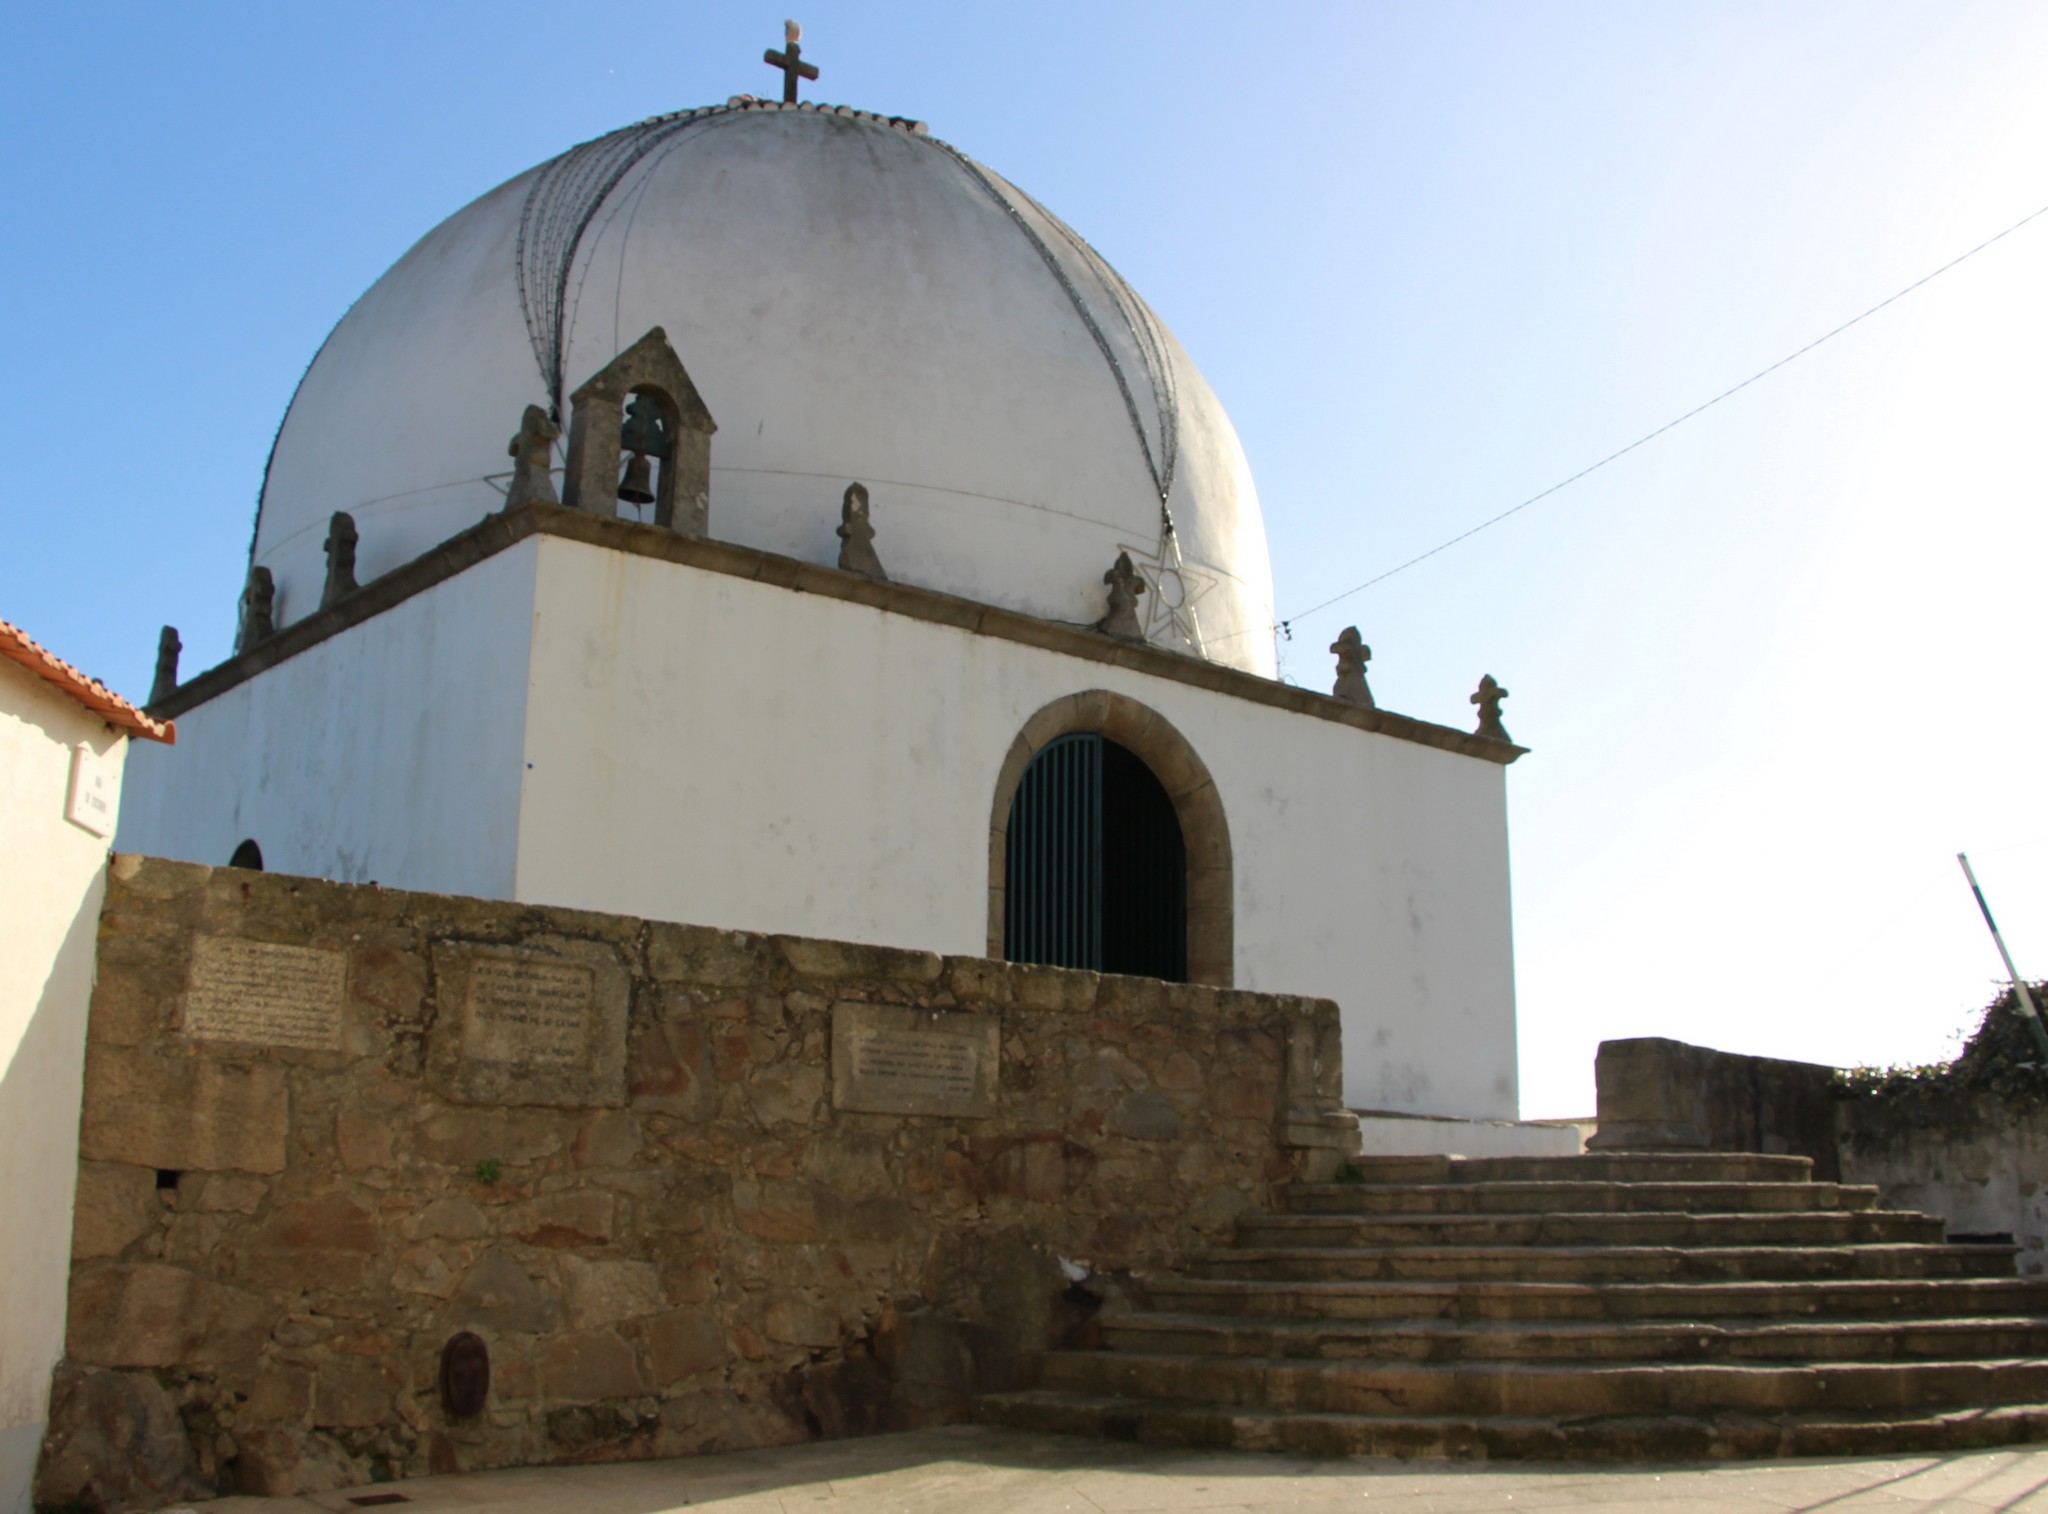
326,1128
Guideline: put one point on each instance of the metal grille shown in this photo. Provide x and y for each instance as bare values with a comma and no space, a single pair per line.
1053,902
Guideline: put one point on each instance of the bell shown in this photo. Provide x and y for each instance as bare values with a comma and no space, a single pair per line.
637,487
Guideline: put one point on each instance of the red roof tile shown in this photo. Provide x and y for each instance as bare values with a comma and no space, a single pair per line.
17,646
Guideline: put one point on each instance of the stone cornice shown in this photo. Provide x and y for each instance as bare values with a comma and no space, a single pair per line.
495,533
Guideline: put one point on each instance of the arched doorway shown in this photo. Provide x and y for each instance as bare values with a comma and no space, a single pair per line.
1163,794
1097,870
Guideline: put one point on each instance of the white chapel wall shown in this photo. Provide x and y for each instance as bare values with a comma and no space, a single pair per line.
709,749
387,753
52,879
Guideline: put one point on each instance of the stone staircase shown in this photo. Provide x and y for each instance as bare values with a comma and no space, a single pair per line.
1652,1306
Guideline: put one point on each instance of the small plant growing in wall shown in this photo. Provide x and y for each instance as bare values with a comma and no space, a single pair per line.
487,1171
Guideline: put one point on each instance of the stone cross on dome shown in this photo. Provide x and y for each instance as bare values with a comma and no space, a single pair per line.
792,62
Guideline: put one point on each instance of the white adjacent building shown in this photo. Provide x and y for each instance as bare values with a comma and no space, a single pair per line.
578,706
63,743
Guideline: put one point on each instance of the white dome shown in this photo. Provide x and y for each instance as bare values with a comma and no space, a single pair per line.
855,301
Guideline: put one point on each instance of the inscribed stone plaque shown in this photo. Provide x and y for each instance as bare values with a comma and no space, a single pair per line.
887,1059
264,994
539,1026
536,1013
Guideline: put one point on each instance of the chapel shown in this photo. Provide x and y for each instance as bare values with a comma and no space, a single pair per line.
767,516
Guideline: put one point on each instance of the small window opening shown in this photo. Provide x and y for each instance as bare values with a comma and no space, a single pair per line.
166,1179
248,855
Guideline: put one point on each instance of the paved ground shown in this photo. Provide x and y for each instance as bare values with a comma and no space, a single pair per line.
987,1471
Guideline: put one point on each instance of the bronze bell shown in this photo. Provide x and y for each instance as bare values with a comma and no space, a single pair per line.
637,487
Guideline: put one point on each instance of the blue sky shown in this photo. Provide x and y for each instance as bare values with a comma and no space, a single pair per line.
1776,667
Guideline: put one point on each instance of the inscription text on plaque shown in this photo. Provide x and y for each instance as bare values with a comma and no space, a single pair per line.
264,994
528,1011
887,1059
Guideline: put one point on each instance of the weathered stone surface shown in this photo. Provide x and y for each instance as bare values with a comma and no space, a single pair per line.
146,1314
351,1393
563,1219
545,1024
115,1441
703,1263
590,1365
1146,1117
152,1110
499,1294
684,1342
116,1206
799,1320
604,1293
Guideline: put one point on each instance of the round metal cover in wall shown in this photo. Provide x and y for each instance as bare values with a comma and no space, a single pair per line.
465,1376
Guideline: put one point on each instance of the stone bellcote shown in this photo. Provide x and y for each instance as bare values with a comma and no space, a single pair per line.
667,432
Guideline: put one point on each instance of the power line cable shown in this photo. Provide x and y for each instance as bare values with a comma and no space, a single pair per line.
1286,626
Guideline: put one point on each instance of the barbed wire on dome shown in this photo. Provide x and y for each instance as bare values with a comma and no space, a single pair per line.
1160,466
572,189
564,199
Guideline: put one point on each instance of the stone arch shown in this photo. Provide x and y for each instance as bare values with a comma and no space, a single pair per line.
1211,940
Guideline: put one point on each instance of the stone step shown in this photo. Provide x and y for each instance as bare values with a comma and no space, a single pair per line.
1901,1298
1644,1228
1632,1264
1663,1341
1518,1389
1619,1438
1536,1197
1589,1167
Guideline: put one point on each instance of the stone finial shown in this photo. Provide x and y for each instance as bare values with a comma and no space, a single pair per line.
857,535
533,454
1488,699
259,595
167,649
341,560
1124,588
1352,656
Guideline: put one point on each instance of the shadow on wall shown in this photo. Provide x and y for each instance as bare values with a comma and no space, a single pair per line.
39,1104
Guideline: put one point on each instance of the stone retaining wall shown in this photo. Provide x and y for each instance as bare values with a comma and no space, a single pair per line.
1980,1163
672,1177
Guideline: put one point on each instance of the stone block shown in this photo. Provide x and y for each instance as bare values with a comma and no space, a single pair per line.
147,1314
587,1366
223,1193
461,1138
797,1319
786,1093
115,1441
498,1294
606,1292
841,961
1145,1117
420,1269
322,1242
351,1394
562,1220
388,982
606,1140
452,1218
282,1393
672,1071
116,1206
363,1139
684,1342
544,1024
186,1114
707,958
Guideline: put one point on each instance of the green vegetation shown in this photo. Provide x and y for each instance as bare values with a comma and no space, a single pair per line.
1999,1061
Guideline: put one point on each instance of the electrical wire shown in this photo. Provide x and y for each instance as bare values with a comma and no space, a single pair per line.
1286,626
